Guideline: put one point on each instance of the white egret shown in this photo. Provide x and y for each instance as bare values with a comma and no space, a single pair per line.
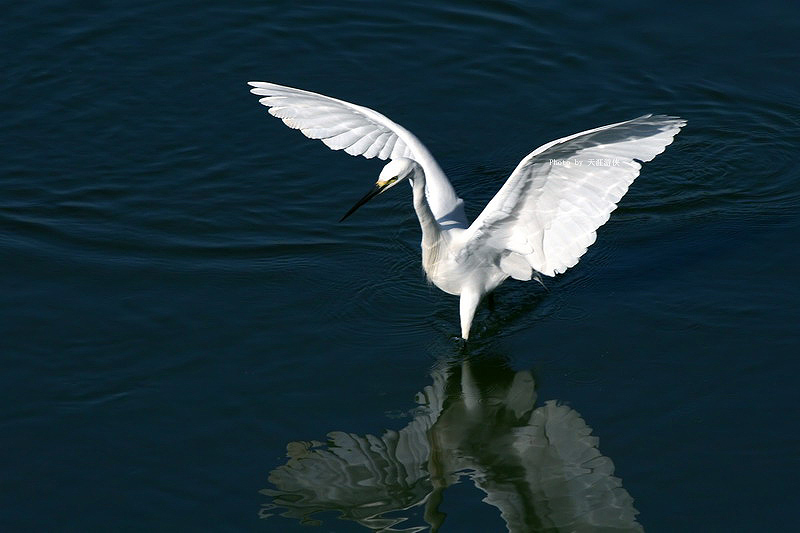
542,220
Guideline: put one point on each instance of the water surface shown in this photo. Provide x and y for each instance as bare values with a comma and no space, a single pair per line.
184,322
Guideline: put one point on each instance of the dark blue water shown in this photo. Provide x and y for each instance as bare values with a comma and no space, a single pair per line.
189,340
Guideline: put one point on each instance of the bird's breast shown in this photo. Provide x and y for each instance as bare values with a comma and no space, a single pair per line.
452,272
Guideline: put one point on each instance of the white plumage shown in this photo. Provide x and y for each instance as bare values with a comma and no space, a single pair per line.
543,218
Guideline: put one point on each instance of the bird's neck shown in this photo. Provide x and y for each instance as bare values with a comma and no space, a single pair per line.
447,207
431,230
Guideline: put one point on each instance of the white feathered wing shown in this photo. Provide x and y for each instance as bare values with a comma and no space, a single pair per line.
359,130
547,213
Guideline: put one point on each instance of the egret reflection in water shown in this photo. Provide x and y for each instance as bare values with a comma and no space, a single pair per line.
478,421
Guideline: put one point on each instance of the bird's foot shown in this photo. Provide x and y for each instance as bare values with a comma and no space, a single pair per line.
460,343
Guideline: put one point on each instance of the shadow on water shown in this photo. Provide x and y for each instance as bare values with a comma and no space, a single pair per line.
477,422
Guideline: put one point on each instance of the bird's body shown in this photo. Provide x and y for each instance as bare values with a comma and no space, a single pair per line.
542,219
446,259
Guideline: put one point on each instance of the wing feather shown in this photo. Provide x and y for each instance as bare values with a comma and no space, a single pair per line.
339,124
387,148
552,204
376,145
360,131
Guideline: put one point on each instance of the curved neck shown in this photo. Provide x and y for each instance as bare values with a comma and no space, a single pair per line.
427,220
446,206
431,230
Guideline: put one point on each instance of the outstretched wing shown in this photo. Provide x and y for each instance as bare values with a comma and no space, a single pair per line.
340,125
358,130
547,213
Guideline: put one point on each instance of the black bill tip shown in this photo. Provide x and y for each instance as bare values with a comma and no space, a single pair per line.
367,197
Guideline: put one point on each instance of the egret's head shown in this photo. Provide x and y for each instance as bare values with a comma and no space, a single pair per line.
393,173
396,171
